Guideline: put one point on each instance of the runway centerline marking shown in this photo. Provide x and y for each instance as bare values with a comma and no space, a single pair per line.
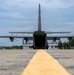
44,64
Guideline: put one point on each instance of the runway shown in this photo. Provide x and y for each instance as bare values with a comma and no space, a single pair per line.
13,62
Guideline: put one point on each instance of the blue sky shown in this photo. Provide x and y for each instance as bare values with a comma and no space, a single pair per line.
22,15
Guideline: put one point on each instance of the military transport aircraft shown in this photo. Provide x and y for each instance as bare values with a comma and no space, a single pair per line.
40,38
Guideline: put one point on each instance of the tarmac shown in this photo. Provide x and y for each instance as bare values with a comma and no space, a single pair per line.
13,62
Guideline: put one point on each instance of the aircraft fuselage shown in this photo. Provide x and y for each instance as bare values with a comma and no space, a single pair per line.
40,40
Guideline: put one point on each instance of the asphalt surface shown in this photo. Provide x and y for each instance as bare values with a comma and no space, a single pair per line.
65,58
13,62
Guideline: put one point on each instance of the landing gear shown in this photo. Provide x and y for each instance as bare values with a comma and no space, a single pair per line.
33,47
47,47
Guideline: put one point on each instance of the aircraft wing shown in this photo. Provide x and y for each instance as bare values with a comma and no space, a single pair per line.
57,32
12,37
58,37
15,36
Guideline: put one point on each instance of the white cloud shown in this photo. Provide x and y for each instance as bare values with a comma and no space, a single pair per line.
58,4
12,15
15,8
33,3
70,23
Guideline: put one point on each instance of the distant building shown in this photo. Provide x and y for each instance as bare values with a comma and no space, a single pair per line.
28,45
1,47
53,46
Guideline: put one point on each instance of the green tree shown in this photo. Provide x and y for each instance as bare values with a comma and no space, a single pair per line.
71,43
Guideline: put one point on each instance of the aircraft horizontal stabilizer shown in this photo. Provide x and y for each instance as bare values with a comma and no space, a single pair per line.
21,32
57,32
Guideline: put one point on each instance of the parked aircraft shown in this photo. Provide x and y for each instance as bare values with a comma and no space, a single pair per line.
40,38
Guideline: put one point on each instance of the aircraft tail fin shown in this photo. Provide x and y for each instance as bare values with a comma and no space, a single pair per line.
39,19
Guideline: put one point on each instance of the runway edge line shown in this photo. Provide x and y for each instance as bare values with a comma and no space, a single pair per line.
43,63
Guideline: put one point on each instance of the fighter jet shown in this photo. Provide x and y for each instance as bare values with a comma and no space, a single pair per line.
40,38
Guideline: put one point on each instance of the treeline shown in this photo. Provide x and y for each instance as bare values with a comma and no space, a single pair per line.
66,45
11,47
71,43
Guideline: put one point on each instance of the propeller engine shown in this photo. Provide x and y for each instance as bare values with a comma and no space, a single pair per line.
11,39
26,39
54,39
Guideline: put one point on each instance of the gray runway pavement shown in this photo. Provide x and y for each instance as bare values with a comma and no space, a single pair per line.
13,62
65,58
